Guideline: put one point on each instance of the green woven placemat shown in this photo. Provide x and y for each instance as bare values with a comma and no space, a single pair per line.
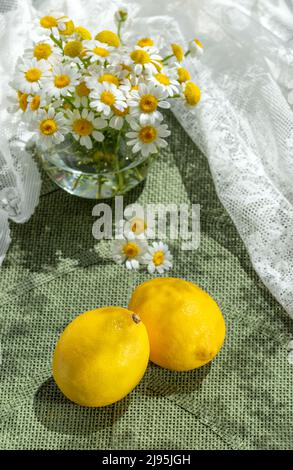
56,270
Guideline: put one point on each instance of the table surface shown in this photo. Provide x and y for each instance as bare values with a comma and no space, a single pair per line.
56,270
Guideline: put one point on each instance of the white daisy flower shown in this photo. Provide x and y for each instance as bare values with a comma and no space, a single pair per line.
85,127
195,48
55,23
135,224
129,251
146,60
81,95
34,105
167,82
147,139
50,128
43,50
18,102
30,75
117,118
158,258
129,84
63,79
97,51
105,96
145,102
100,74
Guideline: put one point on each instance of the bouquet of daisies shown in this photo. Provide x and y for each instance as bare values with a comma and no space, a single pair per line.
71,82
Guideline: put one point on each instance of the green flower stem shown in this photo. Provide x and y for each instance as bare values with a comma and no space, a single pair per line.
58,43
187,53
76,182
120,175
167,58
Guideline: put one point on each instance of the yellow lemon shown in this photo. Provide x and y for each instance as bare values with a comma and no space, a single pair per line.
185,325
101,356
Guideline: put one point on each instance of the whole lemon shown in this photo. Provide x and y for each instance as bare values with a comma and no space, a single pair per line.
185,325
101,356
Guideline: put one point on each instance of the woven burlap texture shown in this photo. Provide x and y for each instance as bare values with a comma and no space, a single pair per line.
56,270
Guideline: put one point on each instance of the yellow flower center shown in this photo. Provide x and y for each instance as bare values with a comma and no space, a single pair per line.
134,87
145,42
42,51
73,48
82,90
83,127
140,57
162,78
148,134
178,52
117,112
183,75
192,93
148,103
108,77
159,258
108,98
69,28
198,42
33,75
83,33
61,81
35,103
138,225
48,22
131,250
108,37
100,51
48,127
22,100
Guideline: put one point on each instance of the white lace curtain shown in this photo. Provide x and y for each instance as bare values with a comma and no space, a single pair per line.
244,124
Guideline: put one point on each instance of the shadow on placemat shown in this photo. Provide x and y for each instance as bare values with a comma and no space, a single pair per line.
165,382
54,411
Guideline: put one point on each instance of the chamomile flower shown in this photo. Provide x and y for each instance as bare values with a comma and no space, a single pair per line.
96,51
129,251
136,223
148,138
177,52
30,75
50,128
63,79
81,95
18,102
108,37
100,75
158,258
40,50
195,48
55,23
145,60
183,75
145,102
82,33
105,96
191,94
166,82
85,127
117,118
34,104
130,84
